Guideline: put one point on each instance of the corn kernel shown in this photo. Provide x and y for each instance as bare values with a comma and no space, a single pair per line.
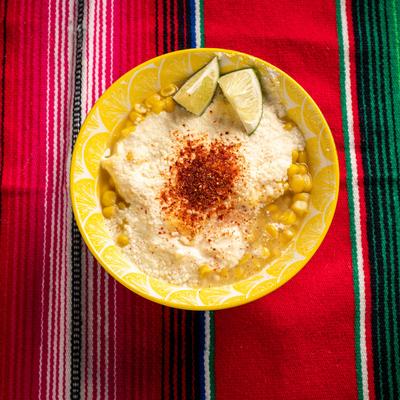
109,212
302,197
293,170
128,123
288,234
307,183
296,183
108,198
265,252
140,108
276,252
204,270
122,240
239,272
272,230
288,217
224,272
121,205
157,107
300,207
135,117
129,156
149,102
246,257
303,169
302,157
295,156
169,104
288,126
257,264
169,90
272,208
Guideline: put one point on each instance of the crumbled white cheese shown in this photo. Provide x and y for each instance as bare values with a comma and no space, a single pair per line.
157,248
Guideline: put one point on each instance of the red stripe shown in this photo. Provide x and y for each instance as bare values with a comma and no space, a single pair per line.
297,342
21,195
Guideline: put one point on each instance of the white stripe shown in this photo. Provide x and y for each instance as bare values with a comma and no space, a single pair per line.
53,281
105,275
103,45
197,23
96,56
206,355
48,136
68,213
99,323
115,338
90,41
63,207
356,197
106,332
84,324
90,323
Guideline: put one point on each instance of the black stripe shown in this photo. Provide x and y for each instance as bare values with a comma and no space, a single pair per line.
188,24
188,352
180,353
3,91
165,22
156,26
76,247
369,180
163,332
171,353
181,25
197,355
172,24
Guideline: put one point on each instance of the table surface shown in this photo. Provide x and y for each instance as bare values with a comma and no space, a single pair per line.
68,330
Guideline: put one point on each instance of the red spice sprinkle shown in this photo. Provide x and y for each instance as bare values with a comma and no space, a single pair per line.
201,182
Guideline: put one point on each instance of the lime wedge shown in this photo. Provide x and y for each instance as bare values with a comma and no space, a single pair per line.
243,91
197,92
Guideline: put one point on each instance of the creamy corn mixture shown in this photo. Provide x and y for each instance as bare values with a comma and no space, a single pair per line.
194,200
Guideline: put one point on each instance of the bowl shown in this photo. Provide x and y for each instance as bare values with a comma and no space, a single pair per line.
115,104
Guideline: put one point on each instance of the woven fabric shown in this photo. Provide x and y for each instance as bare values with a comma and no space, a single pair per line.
68,330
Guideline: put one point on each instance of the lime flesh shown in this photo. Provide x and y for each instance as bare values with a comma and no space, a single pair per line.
243,91
197,92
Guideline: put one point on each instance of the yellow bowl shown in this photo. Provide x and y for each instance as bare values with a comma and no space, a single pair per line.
114,106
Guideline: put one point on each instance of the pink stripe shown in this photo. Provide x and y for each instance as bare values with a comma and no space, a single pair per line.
18,264
85,321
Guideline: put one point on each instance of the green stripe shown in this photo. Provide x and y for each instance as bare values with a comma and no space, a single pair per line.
377,220
201,3
212,355
392,192
377,75
349,181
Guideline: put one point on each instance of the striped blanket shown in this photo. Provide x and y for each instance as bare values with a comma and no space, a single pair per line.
68,330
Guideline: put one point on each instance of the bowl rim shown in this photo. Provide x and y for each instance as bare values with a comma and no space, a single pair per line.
240,301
